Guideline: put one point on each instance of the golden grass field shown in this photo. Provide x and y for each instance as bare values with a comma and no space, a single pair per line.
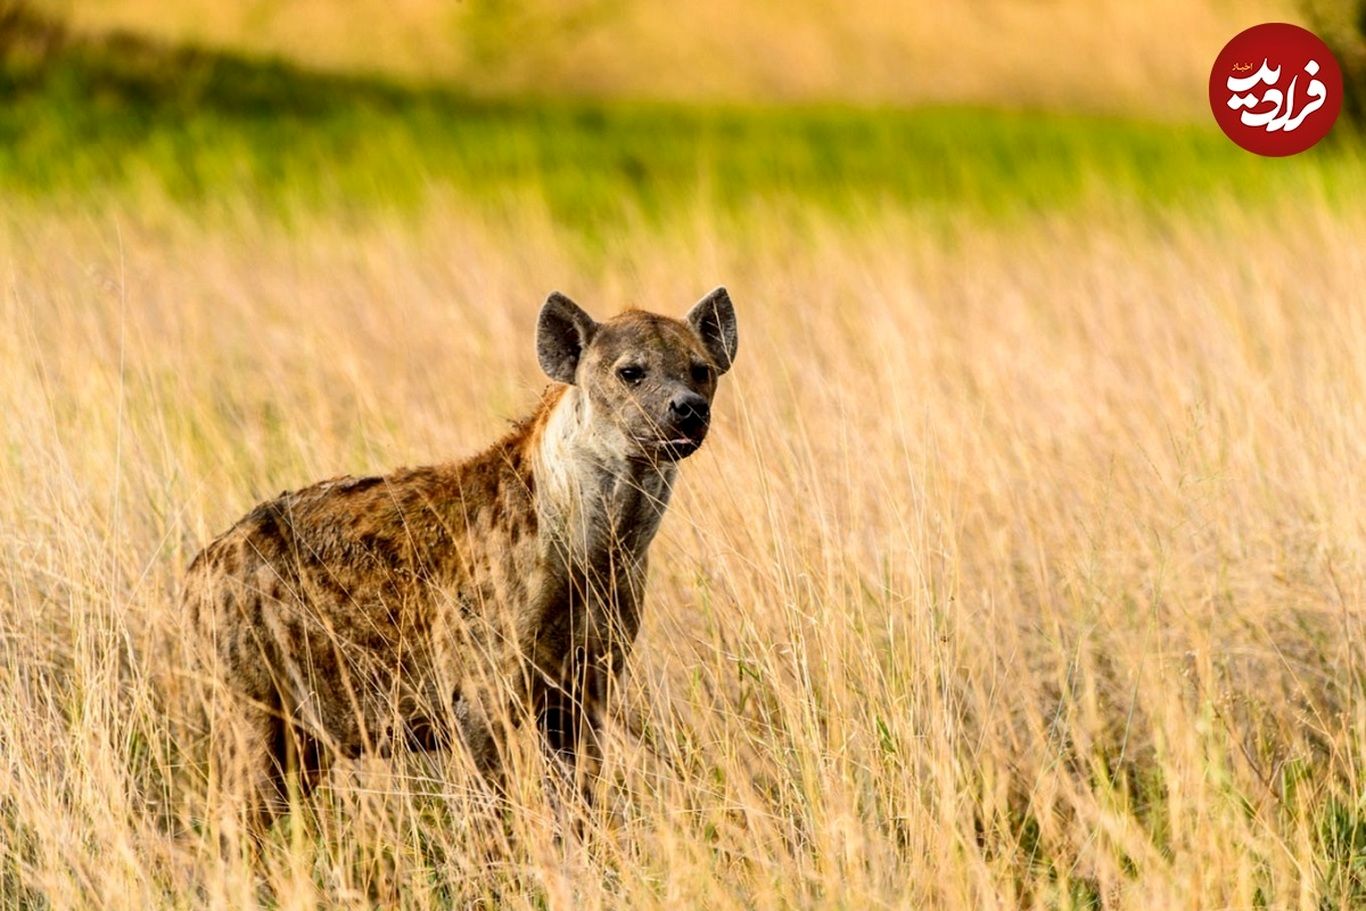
1023,568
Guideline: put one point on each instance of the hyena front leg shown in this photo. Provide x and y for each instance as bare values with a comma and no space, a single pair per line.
571,716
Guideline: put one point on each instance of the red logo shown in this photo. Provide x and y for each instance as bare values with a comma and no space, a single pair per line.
1275,89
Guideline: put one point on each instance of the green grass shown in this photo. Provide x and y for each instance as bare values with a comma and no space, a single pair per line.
84,117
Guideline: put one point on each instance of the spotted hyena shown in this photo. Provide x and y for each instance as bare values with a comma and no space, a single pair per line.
440,605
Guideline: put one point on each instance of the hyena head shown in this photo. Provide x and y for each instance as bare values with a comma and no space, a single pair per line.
646,381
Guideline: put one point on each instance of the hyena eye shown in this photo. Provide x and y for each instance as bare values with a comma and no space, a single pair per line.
631,374
700,373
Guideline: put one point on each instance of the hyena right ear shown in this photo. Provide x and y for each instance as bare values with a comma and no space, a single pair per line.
713,318
563,332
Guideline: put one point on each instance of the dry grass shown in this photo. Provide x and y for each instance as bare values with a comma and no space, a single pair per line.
1107,55
1024,568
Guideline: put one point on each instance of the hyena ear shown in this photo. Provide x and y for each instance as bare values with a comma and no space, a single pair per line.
713,318
563,332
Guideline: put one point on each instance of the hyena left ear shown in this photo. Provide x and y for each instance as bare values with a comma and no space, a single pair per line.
713,318
563,332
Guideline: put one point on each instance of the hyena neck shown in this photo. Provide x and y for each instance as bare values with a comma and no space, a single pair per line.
593,501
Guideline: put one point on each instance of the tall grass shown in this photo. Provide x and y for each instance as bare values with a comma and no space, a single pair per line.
1024,567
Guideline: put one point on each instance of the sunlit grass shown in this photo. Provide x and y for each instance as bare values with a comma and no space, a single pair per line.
1024,568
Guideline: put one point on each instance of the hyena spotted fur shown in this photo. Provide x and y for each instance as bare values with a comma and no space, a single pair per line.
438,605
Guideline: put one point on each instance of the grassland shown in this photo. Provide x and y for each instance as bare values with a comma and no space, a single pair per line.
1068,54
1024,568
95,120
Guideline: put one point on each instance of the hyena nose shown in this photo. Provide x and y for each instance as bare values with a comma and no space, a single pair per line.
689,412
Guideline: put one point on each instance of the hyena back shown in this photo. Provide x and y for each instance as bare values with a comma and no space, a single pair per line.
432,605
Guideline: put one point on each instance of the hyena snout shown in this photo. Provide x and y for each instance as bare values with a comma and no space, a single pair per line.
689,415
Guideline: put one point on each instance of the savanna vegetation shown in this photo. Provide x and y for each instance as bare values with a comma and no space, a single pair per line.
1024,566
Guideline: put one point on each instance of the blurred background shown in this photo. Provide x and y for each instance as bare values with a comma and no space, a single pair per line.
1063,54
603,104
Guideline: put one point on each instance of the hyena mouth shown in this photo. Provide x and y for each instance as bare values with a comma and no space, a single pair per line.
679,447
